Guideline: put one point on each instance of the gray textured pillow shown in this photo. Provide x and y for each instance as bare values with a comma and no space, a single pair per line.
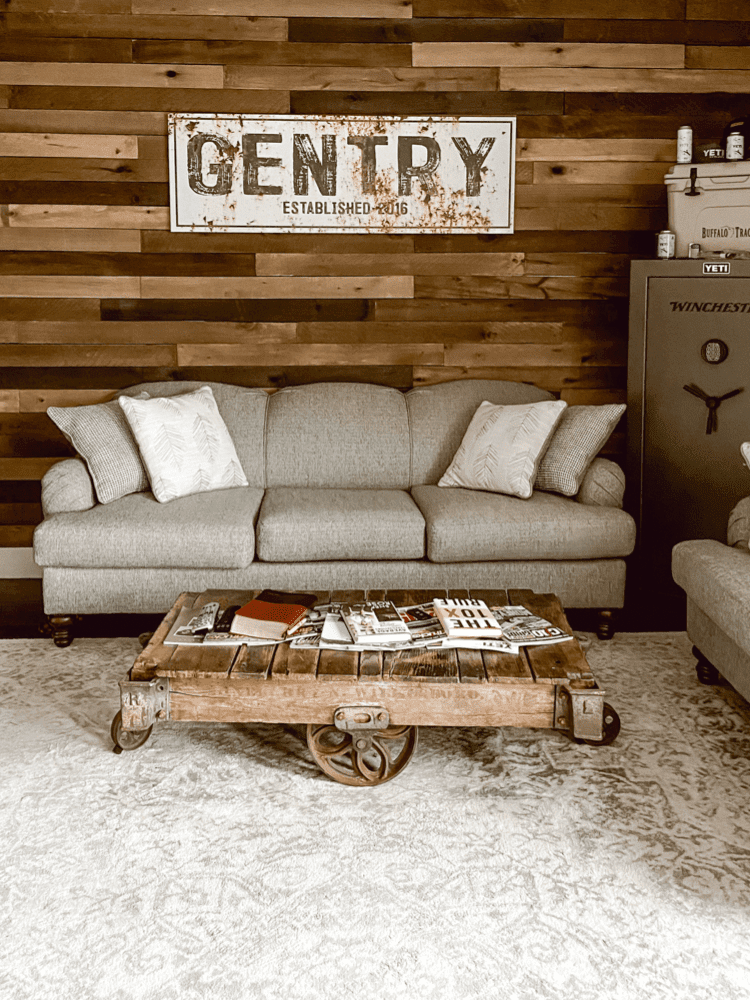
581,433
101,436
67,486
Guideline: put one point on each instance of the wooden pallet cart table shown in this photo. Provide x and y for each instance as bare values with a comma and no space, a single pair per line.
363,709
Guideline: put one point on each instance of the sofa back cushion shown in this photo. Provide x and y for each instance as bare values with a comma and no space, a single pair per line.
337,435
243,409
440,414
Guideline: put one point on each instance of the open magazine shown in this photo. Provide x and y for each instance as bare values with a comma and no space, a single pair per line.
522,627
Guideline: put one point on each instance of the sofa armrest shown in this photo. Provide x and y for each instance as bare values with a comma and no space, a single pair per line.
67,486
603,484
738,527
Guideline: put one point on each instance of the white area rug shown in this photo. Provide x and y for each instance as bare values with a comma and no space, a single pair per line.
217,862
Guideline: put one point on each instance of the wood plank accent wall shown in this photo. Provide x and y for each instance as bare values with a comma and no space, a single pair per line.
97,294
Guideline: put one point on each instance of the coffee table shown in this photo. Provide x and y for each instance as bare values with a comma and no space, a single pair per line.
362,709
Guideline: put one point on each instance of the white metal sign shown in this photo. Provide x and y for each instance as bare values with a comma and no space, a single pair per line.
315,174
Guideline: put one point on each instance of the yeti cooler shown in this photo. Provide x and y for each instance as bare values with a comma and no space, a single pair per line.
709,204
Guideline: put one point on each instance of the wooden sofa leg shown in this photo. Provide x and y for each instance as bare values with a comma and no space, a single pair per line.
604,626
62,630
706,672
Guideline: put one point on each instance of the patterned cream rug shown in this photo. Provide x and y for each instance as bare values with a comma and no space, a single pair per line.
217,862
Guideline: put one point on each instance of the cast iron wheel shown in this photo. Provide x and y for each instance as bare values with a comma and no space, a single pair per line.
610,727
127,740
361,759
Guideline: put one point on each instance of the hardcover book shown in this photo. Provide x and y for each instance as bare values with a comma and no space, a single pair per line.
268,620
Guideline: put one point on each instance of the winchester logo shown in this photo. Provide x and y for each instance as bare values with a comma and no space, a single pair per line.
710,307
725,231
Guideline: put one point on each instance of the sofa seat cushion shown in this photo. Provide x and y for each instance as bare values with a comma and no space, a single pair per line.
215,529
304,523
477,525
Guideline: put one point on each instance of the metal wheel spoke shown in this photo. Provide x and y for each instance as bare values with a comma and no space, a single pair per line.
392,749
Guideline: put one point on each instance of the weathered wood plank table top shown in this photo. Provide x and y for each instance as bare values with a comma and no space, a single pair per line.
363,708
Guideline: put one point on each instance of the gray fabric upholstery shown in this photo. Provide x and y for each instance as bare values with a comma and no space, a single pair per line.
603,484
724,654
440,414
477,525
738,526
321,524
579,584
67,486
202,530
243,410
348,435
717,579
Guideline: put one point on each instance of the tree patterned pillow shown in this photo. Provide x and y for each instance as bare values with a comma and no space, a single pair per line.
185,445
502,445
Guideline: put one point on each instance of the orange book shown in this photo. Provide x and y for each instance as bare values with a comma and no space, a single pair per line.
267,620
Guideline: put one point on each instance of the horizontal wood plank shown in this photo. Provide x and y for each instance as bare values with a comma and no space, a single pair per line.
16,535
93,241
84,170
717,57
269,53
685,81
597,149
164,242
393,286
716,10
593,172
667,9
599,353
390,264
37,401
35,144
436,332
366,78
546,54
128,26
554,379
82,355
26,469
166,332
278,8
74,50
73,286
151,99
110,75
110,217
310,354
582,216
481,287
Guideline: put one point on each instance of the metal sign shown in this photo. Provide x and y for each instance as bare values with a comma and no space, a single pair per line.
315,174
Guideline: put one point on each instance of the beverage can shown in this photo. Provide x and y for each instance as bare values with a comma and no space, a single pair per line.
684,145
665,241
694,250
735,146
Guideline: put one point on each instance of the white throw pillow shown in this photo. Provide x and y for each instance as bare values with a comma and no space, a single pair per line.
184,443
502,446
745,453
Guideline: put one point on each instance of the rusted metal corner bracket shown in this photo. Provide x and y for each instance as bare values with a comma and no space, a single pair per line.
579,710
143,703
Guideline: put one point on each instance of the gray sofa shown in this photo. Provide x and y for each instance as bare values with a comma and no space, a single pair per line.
716,579
342,495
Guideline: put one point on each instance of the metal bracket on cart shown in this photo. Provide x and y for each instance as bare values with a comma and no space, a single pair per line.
581,711
141,705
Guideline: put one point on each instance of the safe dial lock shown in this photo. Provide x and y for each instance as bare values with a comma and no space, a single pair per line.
714,351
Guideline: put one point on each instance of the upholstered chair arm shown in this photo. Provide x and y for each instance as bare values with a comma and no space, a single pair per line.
67,486
738,527
603,484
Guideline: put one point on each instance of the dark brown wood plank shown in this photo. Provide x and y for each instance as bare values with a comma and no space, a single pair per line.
471,665
371,664
667,9
88,25
425,103
252,662
268,53
71,263
404,31
424,665
36,192
710,32
60,50
164,242
150,99
233,310
502,667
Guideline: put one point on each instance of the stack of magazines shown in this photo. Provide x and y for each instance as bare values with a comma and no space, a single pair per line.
441,623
